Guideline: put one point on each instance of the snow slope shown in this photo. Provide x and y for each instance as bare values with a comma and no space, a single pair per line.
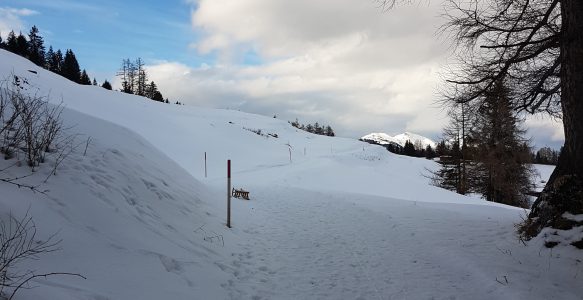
341,220
126,215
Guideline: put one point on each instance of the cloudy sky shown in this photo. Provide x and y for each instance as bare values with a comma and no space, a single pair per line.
340,62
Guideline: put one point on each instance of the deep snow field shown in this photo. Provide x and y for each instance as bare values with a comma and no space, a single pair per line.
342,220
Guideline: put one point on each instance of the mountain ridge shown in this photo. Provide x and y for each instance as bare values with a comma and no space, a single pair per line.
382,138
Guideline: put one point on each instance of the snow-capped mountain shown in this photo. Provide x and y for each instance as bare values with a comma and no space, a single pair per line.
379,138
400,139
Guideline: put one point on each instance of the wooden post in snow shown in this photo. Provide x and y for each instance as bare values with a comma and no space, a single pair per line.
229,193
205,165
289,147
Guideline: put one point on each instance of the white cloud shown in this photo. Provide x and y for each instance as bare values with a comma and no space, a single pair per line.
352,103
282,28
11,19
341,62
545,130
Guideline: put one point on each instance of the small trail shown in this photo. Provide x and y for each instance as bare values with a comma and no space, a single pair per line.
307,244
299,244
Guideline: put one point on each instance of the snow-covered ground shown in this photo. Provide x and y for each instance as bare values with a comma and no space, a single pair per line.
341,219
543,174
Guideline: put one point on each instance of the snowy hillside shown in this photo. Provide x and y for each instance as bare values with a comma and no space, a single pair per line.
399,139
329,218
126,215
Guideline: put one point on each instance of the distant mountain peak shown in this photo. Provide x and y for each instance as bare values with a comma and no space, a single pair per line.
399,139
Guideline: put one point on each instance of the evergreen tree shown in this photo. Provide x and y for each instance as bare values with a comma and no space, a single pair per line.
295,123
151,88
84,78
318,129
329,131
394,148
70,68
158,96
419,149
453,173
546,156
11,43
502,173
441,148
153,93
449,176
49,59
57,61
94,81
455,162
36,48
21,45
2,44
315,128
409,149
429,152
106,85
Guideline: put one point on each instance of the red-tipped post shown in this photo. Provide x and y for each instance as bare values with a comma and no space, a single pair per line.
229,193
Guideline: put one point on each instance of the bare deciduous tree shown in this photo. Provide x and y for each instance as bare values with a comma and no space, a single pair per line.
536,46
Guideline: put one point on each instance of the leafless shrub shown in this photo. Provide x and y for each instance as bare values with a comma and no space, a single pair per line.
40,124
30,128
19,243
10,132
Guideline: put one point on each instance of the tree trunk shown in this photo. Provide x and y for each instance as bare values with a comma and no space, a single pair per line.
572,85
564,190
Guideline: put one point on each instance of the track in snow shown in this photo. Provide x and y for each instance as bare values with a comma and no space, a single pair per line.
300,244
